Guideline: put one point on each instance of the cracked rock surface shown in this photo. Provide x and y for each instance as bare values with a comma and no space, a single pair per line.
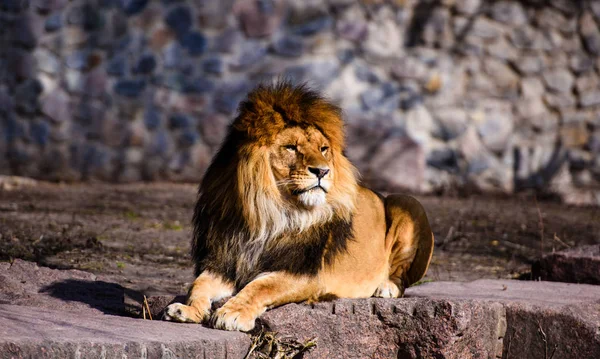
28,332
479,319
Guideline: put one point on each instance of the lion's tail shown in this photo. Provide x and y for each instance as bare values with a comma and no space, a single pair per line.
413,241
422,259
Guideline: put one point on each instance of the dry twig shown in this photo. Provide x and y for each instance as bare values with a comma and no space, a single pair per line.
145,306
268,345
545,340
556,238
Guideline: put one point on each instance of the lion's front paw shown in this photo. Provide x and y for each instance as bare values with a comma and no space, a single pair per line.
388,289
182,313
232,316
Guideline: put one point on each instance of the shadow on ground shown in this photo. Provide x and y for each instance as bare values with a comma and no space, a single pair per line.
110,298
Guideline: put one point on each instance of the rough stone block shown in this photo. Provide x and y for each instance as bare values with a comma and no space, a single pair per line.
560,101
22,34
47,61
528,38
40,132
213,65
117,66
581,63
85,16
559,80
228,96
179,19
590,33
508,12
26,97
577,265
383,40
312,26
29,333
132,7
259,18
402,328
574,134
145,65
485,318
405,163
289,46
590,99
542,318
481,319
194,42
130,88
250,53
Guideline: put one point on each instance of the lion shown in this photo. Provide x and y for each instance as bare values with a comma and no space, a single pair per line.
281,217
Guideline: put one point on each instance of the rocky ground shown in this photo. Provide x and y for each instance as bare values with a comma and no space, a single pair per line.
502,95
138,235
69,313
112,244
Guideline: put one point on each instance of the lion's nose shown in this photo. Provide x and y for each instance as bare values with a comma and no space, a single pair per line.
318,171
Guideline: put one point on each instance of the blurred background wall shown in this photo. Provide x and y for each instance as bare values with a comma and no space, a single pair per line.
487,95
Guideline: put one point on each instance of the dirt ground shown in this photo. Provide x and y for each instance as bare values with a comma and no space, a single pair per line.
138,235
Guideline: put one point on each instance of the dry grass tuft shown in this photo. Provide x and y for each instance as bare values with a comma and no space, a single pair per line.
270,345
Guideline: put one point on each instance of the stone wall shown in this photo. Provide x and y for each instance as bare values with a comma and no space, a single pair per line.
438,94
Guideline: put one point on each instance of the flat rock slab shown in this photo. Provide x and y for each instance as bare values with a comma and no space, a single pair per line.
50,313
544,319
547,294
26,283
53,313
480,319
27,332
576,265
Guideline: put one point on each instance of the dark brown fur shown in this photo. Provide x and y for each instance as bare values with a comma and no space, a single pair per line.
270,109
221,232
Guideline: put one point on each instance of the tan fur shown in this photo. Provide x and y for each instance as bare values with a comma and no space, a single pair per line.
270,290
288,179
205,289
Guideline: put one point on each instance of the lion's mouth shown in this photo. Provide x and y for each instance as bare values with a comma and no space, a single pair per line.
316,187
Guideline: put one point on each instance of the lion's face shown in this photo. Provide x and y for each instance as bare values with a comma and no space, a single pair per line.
301,161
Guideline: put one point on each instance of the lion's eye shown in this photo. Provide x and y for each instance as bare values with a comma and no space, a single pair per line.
291,148
324,149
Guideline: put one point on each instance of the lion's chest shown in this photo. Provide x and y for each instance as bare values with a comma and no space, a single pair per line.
299,253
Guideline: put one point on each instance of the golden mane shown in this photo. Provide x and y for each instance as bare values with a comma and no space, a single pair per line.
239,196
270,109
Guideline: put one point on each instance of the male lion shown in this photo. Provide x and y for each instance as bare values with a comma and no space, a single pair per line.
280,217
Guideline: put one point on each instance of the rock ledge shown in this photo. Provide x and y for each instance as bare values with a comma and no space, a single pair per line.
43,317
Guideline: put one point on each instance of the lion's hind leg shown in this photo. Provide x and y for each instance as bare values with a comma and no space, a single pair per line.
205,289
409,238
